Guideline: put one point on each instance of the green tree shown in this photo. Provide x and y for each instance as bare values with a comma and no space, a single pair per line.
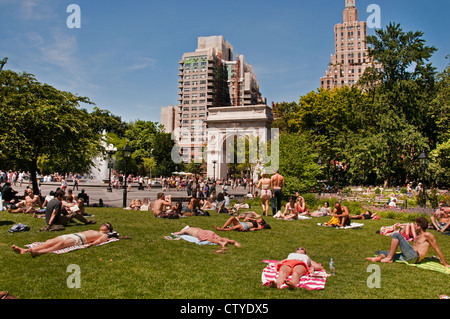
440,156
39,121
298,163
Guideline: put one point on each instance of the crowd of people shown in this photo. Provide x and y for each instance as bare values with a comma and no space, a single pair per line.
61,207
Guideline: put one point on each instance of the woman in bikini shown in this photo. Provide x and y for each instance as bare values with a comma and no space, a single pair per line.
291,210
266,193
249,224
300,203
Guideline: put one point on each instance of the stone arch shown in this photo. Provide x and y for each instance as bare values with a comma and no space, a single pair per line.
224,123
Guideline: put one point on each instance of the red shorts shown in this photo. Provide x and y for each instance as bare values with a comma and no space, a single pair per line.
207,235
292,263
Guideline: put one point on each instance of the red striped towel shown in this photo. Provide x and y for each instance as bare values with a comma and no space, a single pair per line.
315,281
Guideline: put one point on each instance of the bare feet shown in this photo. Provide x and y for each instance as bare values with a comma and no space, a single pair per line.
272,284
374,259
19,250
386,260
290,284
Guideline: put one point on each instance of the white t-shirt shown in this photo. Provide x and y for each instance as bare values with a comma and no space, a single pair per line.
301,257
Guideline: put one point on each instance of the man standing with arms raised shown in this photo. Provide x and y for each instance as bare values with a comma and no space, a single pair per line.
276,183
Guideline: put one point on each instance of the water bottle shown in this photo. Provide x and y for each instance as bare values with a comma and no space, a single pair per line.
332,268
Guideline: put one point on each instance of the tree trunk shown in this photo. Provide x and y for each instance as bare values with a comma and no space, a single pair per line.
34,182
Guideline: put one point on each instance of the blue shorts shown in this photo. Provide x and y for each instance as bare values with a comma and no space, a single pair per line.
408,253
245,225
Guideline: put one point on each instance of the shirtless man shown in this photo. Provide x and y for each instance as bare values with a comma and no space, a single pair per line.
276,183
28,205
160,204
194,203
411,254
88,237
207,235
342,213
441,218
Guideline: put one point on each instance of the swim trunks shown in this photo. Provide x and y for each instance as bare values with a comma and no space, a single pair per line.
292,263
74,239
245,225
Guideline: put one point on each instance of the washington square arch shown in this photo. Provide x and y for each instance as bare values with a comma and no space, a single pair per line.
236,135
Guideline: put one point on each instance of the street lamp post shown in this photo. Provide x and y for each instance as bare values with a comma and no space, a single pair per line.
423,161
214,170
111,150
126,157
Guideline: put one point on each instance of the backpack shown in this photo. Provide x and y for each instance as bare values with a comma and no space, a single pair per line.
18,228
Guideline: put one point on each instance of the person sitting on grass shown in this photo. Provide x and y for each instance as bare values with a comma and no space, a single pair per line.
249,224
441,218
341,214
411,254
160,204
56,214
88,237
207,235
297,264
291,210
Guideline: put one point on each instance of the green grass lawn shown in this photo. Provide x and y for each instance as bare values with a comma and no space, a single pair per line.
151,267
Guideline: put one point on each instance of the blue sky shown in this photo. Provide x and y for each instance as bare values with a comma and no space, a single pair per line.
125,55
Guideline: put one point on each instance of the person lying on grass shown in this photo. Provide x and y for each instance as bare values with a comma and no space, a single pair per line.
297,264
367,215
89,237
207,235
411,254
249,224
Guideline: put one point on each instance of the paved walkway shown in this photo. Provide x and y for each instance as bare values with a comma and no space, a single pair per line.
115,198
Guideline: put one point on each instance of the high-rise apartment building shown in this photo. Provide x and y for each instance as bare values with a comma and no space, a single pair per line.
351,56
210,77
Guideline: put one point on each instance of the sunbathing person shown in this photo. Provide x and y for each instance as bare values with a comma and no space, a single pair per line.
411,254
29,205
320,212
160,204
291,210
367,215
249,224
441,218
89,237
209,203
249,214
342,213
207,235
297,264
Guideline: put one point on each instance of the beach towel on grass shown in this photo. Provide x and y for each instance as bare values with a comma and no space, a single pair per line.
71,248
315,281
352,225
429,264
